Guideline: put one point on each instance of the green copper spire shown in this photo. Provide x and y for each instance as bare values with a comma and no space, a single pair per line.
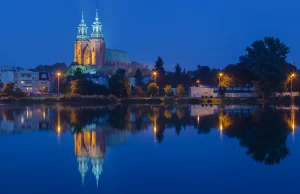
97,28
82,30
97,168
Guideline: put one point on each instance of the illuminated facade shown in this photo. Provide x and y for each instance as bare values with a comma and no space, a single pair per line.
92,50
27,81
90,145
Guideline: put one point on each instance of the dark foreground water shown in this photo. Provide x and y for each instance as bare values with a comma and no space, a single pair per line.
144,149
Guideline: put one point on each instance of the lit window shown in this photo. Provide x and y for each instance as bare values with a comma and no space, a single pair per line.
22,82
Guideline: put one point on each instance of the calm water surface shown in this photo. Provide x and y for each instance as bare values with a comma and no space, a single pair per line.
144,149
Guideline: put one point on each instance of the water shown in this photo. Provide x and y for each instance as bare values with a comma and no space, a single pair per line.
144,149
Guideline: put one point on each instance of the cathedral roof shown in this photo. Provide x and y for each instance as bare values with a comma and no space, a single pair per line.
117,56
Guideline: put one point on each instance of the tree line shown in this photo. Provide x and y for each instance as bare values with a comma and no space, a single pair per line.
263,67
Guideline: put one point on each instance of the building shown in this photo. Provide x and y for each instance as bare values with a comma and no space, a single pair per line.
28,81
231,92
145,80
92,50
98,79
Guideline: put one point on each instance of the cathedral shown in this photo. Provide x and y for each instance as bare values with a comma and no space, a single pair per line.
91,50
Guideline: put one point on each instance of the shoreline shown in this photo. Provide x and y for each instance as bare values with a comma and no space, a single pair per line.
109,100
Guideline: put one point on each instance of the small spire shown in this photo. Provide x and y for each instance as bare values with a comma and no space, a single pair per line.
97,13
82,19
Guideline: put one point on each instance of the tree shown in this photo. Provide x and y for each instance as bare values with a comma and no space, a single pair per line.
168,90
86,87
138,78
180,90
178,70
153,89
224,83
266,59
8,89
138,90
160,71
57,67
76,72
119,85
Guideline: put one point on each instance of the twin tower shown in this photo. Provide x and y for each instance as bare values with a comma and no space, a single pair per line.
90,50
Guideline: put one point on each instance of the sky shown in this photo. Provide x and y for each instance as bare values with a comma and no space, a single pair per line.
188,32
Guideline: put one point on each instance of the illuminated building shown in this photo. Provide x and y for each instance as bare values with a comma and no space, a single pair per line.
92,50
27,81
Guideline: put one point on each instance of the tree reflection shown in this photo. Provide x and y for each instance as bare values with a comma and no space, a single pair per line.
119,117
264,134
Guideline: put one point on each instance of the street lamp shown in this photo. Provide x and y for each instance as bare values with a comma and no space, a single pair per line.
198,82
155,74
220,75
292,76
58,76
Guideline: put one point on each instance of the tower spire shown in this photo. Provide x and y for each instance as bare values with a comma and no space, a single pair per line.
82,30
97,17
97,28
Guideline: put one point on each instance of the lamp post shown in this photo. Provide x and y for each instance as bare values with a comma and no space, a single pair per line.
292,76
58,76
155,74
220,75
198,82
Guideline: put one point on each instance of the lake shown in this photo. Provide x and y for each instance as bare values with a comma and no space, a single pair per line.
236,149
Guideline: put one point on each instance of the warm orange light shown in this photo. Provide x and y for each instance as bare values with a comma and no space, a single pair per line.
154,73
293,75
58,74
198,81
220,74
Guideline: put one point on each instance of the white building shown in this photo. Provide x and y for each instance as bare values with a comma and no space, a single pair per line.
236,92
27,81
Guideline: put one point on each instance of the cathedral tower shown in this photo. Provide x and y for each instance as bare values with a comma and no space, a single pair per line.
97,43
82,53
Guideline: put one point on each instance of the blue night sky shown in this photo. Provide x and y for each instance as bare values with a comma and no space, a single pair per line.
190,32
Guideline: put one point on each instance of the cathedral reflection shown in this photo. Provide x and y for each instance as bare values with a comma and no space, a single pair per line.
90,145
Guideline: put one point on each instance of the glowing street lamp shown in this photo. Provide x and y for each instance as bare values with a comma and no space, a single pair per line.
58,76
292,76
198,82
220,75
155,74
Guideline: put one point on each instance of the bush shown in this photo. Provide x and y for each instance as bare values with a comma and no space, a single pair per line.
190,101
112,97
142,101
19,93
169,101
86,87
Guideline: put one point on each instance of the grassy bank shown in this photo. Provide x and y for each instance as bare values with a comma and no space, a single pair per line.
67,99
106,100
192,101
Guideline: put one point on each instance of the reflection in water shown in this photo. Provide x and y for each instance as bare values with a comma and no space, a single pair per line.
262,131
90,145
